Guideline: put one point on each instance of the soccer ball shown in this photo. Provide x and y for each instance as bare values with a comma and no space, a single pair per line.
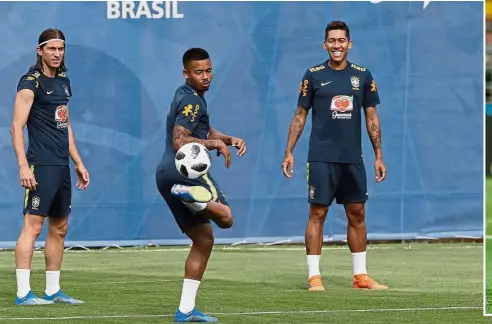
192,160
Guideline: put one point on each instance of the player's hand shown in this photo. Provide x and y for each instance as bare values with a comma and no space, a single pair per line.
288,165
83,179
380,169
27,179
226,153
240,144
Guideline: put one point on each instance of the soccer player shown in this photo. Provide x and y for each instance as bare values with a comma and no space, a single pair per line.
194,202
42,103
336,90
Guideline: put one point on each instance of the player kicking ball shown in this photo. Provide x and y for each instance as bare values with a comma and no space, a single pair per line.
194,202
336,90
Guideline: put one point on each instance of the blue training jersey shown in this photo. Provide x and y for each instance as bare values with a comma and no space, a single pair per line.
336,98
188,110
47,124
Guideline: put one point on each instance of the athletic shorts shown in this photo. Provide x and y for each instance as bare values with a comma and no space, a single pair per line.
186,219
53,194
345,182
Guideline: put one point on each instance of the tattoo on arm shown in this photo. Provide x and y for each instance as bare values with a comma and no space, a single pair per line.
182,136
296,128
214,134
374,131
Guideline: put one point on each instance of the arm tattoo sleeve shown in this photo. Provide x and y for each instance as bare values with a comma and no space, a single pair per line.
296,128
374,130
182,136
214,134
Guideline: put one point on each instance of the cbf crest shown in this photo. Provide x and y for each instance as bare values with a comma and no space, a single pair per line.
311,192
35,202
66,90
355,82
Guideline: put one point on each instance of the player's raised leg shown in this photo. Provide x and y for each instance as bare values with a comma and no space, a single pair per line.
55,244
31,228
201,201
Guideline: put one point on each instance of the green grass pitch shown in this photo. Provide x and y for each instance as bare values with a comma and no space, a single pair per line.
430,283
488,246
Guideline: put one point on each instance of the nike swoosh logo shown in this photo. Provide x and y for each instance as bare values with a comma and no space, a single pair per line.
325,83
49,92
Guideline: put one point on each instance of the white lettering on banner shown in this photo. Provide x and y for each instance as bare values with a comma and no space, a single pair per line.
143,9
426,2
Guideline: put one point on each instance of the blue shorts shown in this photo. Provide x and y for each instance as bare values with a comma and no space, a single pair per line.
167,178
345,182
53,194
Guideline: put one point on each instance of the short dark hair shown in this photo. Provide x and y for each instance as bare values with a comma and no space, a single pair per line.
194,54
50,34
337,25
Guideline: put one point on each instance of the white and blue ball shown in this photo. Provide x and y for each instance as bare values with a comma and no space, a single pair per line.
193,160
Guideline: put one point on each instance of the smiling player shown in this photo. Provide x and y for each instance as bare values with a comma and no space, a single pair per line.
336,90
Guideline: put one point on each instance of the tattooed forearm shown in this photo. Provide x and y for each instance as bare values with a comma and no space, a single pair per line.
214,134
374,131
296,128
182,136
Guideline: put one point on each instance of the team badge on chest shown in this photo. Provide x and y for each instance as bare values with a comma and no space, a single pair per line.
355,82
66,91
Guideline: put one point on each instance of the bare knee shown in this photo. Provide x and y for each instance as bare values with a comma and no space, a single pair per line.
355,214
227,220
317,213
58,227
33,226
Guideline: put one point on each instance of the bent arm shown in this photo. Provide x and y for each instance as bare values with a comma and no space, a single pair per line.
182,136
214,134
22,107
374,131
296,128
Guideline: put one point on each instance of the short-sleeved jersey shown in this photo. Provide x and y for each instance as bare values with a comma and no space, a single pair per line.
189,110
47,124
336,98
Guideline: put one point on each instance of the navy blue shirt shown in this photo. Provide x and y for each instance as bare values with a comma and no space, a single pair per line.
189,110
336,98
47,124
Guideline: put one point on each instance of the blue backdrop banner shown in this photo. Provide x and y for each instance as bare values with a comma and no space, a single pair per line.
124,61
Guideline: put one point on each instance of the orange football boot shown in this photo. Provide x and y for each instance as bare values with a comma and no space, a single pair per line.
363,281
315,283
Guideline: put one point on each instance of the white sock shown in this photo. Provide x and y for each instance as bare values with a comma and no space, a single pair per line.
313,265
195,207
188,295
52,282
359,262
23,285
